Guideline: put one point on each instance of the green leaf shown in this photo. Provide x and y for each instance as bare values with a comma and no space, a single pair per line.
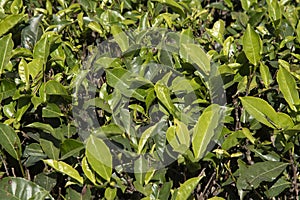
171,3
12,188
110,193
288,87
194,54
278,188
151,132
119,78
70,147
31,33
23,105
99,157
46,181
45,127
163,95
248,134
143,139
182,133
9,22
252,45
50,150
260,110
179,137
51,110
64,168
204,131
140,168
252,176
7,45
265,75
53,87
7,89
16,6
217,32
35,68
87,171
42,48
274,10
246,4
186,189
120,37
24,72
10,141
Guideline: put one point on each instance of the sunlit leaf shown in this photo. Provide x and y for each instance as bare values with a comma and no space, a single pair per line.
187,188
7,46
99,157
204,131
252,45
64,168
288,87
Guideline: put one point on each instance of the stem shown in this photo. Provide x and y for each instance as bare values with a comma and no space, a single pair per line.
295,175
21,167
5,166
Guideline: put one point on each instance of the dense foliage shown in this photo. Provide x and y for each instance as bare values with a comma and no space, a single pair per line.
149,99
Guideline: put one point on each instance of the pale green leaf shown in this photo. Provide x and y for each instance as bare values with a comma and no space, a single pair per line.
195,54
99,157
204,131
186,189
64,168
87,171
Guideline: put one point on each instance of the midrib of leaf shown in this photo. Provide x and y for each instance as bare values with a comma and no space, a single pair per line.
262,174
10,143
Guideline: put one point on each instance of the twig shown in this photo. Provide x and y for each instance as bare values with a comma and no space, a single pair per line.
295,176
13,172
5,166
207,185
236,113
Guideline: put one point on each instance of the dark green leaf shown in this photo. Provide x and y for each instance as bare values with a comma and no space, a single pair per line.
19,188
10,141
252,176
